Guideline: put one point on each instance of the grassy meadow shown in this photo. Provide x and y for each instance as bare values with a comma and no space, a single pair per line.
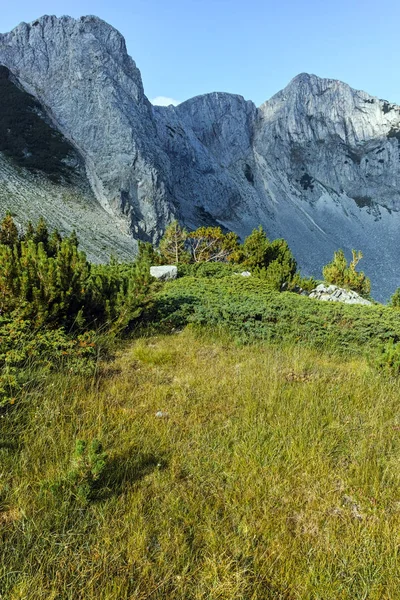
231,471
209,438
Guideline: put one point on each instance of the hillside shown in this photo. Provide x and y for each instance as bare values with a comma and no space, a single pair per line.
206,437
257,471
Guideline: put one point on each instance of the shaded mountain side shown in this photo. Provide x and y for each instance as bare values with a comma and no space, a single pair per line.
27,137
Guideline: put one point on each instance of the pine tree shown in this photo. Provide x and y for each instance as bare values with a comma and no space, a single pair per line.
172,244
339,273
254,253
73,238
395,299
210,244
148,255
29,232
54,243
41,233
8,231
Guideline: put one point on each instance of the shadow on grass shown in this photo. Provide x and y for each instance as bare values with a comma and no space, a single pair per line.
124,470
7,445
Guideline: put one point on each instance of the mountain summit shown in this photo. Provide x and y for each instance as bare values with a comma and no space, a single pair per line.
318,163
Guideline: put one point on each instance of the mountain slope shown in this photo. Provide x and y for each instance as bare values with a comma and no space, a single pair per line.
317,164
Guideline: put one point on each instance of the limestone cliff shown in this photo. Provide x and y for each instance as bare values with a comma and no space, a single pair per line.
318,164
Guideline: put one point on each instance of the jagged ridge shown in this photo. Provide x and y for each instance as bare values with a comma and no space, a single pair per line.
317,164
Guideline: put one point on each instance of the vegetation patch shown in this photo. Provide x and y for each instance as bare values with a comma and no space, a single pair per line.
251,311
274,476
364,201
245,446
307,182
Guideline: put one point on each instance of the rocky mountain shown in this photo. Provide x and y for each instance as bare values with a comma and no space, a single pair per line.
317,164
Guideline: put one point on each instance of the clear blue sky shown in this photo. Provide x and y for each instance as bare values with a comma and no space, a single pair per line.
249,47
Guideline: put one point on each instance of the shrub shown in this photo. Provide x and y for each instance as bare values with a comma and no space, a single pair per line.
388,359
338,272
395,299
208,244
214,270
271,261
173,245
252,311
48,288
118,293
83,479
305,283
44,282
24,351
254,252
49,282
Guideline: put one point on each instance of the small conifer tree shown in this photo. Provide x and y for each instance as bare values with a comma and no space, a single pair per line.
254,252
172,245
210,244
41,233
8,231
395,299
338,272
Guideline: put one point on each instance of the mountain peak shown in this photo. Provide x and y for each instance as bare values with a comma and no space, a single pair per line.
318,164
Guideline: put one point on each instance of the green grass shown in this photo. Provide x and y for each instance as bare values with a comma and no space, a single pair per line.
272,474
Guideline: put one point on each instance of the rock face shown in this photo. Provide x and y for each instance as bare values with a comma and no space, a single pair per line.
333,293
164,272
80,72
317,164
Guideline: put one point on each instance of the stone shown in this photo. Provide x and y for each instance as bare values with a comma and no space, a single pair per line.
160,414
332,293
164,272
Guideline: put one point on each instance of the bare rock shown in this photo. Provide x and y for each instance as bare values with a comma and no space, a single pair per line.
317,164
164,272
333,293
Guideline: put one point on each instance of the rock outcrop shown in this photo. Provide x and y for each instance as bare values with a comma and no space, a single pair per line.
333,293
81,74
317,164
164,272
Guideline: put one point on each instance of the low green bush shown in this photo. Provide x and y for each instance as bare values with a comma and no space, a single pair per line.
50,282
339,272
81,482
26,352
252,311
388,359
214,270
52,301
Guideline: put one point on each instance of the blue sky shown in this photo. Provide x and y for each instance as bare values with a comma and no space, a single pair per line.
253,48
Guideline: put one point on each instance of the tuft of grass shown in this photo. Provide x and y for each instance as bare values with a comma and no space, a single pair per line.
272,473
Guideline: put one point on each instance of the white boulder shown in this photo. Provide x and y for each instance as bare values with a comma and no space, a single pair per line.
333,293
164,272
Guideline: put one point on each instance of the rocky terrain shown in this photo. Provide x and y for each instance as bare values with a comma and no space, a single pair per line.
318,163
333,293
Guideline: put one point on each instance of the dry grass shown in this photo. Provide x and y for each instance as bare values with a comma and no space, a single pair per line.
268,473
